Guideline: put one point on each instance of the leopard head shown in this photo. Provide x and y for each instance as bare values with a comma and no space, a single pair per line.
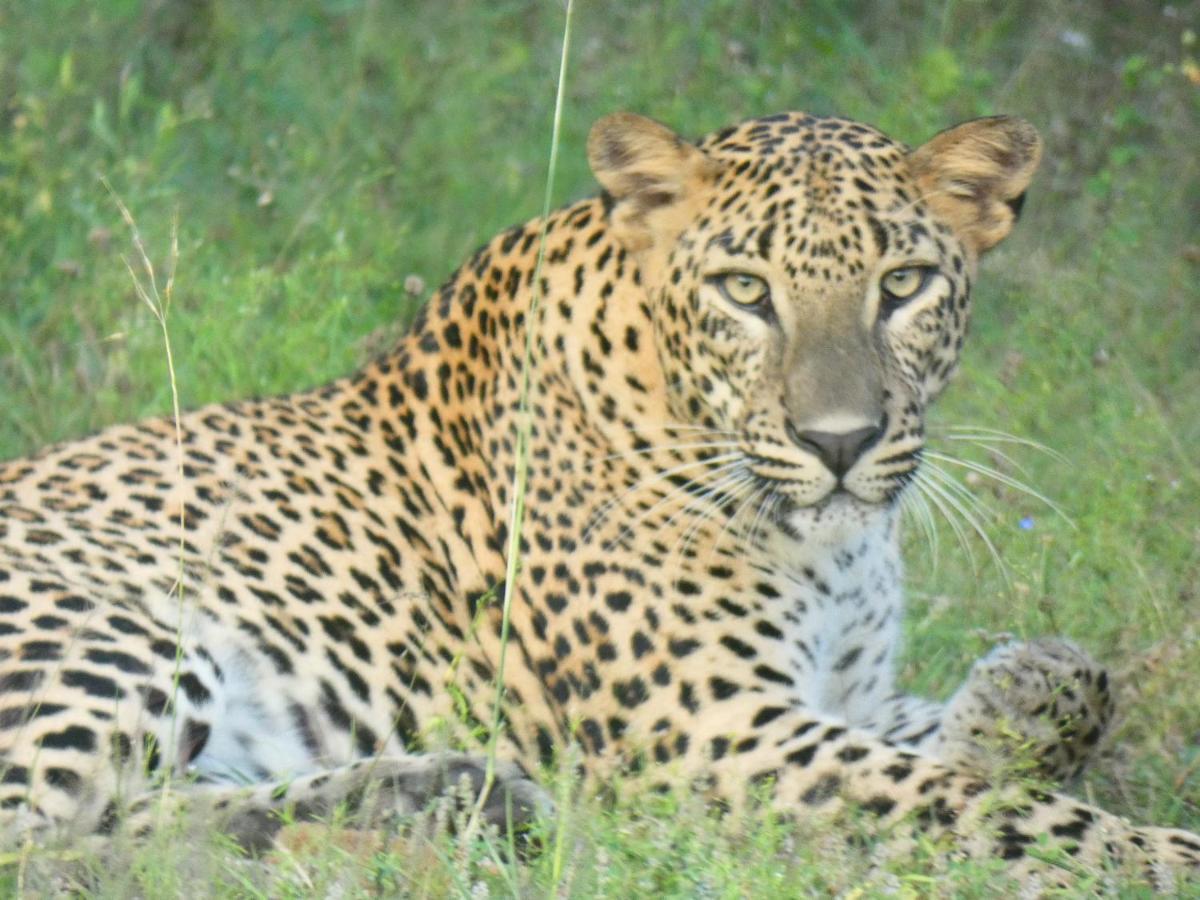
809,281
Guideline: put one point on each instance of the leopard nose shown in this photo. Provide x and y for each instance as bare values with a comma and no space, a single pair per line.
838,450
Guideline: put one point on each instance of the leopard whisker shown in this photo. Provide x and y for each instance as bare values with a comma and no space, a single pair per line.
746,501
719,432
960,490
991,448
935,494
972,505
996,435
770,496
697,503
751,492
967,508
904,499
664,448
728,473
603,511
921,502
998,476
721,472
914,504
736,480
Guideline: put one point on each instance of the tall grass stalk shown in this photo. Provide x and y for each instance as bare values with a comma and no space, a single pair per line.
524,424
159,304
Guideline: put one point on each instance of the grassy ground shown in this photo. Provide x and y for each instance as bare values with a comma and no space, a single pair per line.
318,153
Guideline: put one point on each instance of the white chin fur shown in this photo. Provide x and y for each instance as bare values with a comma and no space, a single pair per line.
837,519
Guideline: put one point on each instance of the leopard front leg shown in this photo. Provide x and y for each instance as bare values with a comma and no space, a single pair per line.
370,793
814,765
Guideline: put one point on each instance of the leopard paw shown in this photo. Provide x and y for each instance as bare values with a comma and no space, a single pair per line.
1037,708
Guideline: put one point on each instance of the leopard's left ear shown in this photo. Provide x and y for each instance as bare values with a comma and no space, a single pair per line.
647,171
975,175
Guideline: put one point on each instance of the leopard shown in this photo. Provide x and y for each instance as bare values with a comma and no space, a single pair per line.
707,386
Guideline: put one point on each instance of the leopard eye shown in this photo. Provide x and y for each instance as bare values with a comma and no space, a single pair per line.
904,284
901,285
744,289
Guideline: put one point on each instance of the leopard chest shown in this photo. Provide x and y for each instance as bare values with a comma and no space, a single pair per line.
841,614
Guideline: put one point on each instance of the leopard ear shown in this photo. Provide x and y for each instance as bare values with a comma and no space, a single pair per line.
647,171
975,175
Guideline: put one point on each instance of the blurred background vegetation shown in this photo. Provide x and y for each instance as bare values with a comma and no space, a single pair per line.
329,161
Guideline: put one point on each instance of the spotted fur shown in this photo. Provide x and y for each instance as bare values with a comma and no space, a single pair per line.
736,345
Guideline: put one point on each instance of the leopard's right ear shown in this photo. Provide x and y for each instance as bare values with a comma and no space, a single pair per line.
647,170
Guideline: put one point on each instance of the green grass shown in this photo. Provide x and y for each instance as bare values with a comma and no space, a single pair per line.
318,153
